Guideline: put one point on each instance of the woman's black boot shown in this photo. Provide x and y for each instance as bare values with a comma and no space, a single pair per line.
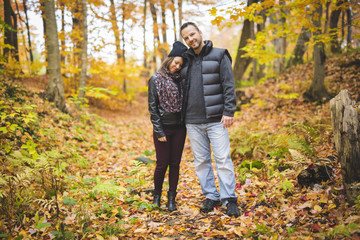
171,201
157,197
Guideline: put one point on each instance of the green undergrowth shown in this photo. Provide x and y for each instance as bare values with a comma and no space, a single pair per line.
42,153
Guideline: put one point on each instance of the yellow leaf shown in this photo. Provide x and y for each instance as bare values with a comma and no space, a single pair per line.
331,206
317,208
324,199
213,11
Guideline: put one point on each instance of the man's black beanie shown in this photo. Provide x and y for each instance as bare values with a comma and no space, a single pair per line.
178,49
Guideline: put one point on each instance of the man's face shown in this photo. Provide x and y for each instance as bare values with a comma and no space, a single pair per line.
192,37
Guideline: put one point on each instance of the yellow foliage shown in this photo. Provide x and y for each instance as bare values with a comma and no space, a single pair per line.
108,80
217,21
213,11
288,96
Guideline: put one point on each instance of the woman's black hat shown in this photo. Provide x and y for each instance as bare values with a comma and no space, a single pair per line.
178,49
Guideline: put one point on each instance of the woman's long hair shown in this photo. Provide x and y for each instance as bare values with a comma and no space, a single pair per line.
165,65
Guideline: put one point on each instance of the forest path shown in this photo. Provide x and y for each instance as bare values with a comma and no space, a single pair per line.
272,204
132,133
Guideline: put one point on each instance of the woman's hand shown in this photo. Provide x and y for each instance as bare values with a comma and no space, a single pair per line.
162,139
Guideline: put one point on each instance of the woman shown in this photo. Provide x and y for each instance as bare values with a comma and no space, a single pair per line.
165,105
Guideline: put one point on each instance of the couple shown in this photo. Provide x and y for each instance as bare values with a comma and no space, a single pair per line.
194,87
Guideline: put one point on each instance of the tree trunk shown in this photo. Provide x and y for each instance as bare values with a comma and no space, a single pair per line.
317,91
42,8
123,44
342,27
327,16
349,15
260,28
254,61
28,31
62,40
173,18
10,34
280,46
76,33
346,125
241,63
155,32
83,72
55,89
115,29
163,30
300,48
180,2
334,19
144,39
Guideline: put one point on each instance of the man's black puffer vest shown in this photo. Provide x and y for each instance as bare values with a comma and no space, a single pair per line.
219,93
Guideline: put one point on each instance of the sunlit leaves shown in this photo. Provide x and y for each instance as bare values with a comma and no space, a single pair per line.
217,20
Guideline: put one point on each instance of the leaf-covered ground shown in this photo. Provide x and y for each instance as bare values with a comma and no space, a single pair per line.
94,188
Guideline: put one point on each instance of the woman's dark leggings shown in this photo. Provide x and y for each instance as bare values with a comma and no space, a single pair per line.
169,154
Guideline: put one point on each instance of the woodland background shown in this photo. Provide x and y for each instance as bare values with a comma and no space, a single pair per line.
76,150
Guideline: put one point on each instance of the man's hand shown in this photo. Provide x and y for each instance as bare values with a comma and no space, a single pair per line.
162,139
227,121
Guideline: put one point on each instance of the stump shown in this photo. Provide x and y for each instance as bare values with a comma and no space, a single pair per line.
314,174
345,119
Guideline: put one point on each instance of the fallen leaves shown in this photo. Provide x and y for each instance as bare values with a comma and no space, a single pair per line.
107,196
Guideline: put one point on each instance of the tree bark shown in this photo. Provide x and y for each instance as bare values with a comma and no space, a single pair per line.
55,89
28,31
76,36
83,54
180,2
173,18
123,44
155,31
346,125
349,15
42,8
253,61
241,63
260,28
10,33
327,16
62,40
300,48
115,29
163,30
334,19
280,44
144,39
317,91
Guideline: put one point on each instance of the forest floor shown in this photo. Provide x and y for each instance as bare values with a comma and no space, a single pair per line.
99,191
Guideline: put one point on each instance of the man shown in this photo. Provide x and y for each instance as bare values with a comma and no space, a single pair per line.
209,104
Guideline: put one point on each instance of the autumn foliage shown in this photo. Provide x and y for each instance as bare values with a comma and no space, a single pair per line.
79,174
74,176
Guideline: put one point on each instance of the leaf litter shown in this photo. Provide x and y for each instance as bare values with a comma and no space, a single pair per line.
109,195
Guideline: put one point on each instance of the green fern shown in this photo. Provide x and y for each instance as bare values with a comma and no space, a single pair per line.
108,188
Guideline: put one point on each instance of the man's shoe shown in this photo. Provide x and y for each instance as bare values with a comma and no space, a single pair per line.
209,205
232,209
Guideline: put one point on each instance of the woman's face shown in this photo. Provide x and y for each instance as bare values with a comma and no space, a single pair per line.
176,64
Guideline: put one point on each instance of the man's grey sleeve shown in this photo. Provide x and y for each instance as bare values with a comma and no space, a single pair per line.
227,81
